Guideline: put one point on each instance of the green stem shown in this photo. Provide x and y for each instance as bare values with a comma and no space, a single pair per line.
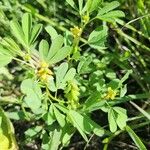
19,60
109,139
88,141
52,97
25,113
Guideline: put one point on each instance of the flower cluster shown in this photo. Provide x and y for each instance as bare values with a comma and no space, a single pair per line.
44,72
72,93
85,18
111,94
76,31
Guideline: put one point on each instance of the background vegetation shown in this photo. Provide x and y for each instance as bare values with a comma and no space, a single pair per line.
128,49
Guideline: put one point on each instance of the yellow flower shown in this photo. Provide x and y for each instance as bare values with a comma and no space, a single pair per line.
27,57
111,94
4,142
86,18
72,94
44,72
44,65
76,31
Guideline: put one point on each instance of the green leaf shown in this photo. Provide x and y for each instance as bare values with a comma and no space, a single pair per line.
4,50
26,85
98,37
78,121
69,75
51,31
106,13
84,124
80,2
110,74
45,141
32,101
114,84
7,136
67,133
93,5
4,59
112,120
31,8
9,43
135,138
95,106
17,32
35,32
49,116
16,115
98,130
33,93
92,99
63,75
120,110
26,26
123,90
121,121
56,52
114,14
31,132
60,55
55,47
72,4
60,73
55,139
126,76
62,108
43,49
108,7
52,85
60,117
83,64
121,117
110,16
